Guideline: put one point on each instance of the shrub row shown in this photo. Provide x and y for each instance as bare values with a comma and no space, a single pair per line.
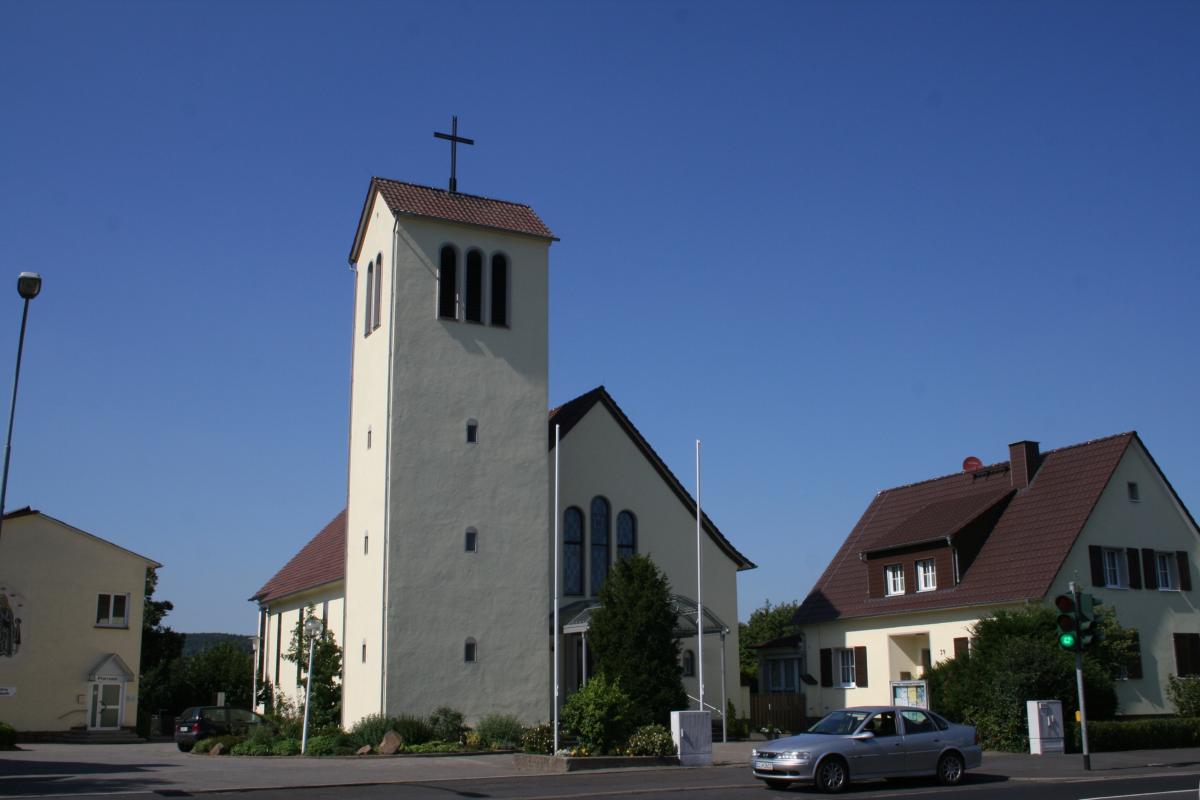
8,737
1140,734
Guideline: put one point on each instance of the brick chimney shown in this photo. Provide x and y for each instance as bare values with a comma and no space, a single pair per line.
1024,459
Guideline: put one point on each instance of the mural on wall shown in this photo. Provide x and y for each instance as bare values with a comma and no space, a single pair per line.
12,610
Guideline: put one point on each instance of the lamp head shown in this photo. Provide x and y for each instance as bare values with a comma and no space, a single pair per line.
313,626
29,284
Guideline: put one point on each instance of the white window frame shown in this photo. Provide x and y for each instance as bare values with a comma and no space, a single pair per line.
1168,578
843,662
1116,568
110,621
893,579
926,575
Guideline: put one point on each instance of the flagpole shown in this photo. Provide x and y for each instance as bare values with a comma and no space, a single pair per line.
557,651
699,588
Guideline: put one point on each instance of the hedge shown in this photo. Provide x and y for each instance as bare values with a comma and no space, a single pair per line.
1140,734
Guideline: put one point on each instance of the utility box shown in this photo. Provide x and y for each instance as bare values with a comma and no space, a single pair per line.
692,732
1045,726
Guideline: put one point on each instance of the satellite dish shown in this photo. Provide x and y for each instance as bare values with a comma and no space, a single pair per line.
971,463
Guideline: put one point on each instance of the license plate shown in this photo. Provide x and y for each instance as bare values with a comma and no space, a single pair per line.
764,766
183,728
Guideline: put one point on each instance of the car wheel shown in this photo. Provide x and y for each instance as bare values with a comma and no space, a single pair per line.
832,775
950,769
184,747
774,784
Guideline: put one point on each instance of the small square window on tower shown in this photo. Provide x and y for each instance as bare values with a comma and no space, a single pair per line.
472,541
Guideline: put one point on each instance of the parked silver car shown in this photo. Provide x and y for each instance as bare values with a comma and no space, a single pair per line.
869,742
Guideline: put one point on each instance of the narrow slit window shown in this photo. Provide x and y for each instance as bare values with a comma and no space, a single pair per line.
474,287
448,284
500,290
364,651
366,540
472,541
470,651
472,431
1134,494
368,438
369,305
376,315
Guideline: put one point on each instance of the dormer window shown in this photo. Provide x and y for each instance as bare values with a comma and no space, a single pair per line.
893,575
926,575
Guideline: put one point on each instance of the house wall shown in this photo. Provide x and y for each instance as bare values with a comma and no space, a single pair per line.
444,373
598,458
367,482
1156,521
890,650
326,603
53,574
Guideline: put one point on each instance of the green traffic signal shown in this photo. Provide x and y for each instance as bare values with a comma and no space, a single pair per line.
1066,641
1068,622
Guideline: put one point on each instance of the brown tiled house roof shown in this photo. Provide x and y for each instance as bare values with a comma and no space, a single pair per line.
321,561
1018,559
414,200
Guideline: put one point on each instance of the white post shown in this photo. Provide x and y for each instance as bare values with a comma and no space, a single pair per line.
584,681
557,637
312,627
724,701
699,588
254,676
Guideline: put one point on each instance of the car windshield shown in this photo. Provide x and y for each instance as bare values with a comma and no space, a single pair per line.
840,723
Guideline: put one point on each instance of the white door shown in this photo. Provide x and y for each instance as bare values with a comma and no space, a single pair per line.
106,709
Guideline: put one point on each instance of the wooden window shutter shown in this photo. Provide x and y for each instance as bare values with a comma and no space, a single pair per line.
860,666
826,667
962,646
1135,571
1185,570
1097,557
1134,668
1187,648
1150,568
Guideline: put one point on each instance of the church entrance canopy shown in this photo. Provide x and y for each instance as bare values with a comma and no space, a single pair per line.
577,617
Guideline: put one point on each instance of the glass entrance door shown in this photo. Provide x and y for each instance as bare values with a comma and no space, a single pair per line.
105,707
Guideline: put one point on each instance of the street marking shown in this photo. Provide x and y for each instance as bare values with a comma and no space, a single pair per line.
1140,794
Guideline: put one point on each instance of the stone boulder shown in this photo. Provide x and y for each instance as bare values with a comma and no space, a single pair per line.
391,743
218,749
365,750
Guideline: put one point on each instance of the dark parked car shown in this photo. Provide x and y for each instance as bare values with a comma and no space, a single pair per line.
871,742
204,722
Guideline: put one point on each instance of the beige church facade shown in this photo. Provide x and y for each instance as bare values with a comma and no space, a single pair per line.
70,628
929,559
442,594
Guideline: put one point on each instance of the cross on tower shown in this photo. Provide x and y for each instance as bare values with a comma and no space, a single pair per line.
454,140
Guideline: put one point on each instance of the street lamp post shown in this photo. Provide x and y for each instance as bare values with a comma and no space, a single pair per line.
313,629
254,673
28,286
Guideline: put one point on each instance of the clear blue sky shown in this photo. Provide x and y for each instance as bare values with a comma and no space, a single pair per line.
845,244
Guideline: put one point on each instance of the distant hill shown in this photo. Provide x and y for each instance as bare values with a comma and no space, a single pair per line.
194,643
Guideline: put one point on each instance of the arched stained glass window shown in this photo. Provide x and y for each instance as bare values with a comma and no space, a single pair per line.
474,287
572,551
500,290
626,534
448,283
600,538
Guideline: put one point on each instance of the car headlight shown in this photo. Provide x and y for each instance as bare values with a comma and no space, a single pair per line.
754,753
796,755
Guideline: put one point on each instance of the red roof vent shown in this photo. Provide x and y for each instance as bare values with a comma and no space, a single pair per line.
971,464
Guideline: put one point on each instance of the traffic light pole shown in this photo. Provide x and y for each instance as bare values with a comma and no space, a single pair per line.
1087,757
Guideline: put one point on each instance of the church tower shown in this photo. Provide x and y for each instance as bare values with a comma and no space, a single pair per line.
448,530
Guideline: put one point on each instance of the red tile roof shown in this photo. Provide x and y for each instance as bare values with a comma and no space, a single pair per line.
414,200
321,561
1019,558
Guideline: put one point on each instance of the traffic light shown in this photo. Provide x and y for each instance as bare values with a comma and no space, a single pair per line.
1068,622
1089,633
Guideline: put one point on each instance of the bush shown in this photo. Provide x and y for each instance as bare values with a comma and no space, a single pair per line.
370,730
1185,694
651,740
600,715
1138,734
447,724
330,744
538,739
415,730
252,747
205,745
436,746
285,747
8,737
499,731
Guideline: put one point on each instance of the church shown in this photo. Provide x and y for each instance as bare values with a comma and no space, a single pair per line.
438,579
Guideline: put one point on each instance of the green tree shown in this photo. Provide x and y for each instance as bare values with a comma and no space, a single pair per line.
766,623
633,637
326,696
1015,657
225,668
161,684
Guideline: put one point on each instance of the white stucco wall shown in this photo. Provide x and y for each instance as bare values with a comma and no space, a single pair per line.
1155,521
445,372
58,572
598,458
326,603
367,486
